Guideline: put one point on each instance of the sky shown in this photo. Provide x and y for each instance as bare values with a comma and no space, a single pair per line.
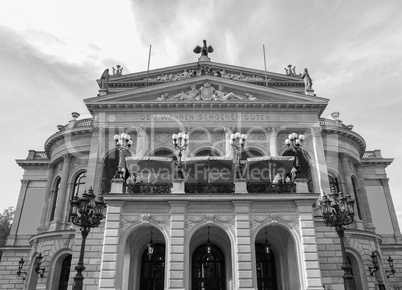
51,53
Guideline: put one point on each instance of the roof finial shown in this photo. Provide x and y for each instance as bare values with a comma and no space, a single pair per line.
204,51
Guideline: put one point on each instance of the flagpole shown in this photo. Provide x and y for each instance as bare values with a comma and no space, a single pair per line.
149,60
265,65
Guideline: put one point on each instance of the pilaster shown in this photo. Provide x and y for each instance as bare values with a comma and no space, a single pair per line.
177,256
391,208
18,212
47,197
110,245
142,141
312,271
95,166
228,146
242,247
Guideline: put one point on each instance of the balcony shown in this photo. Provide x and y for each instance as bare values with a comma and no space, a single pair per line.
208,176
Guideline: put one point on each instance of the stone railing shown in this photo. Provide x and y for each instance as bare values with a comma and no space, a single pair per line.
84,122
209,189
369,154
40,155
147,189
332,123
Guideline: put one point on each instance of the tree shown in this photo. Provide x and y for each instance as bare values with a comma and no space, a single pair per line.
6,219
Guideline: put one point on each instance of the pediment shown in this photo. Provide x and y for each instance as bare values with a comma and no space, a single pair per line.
290,81
206,89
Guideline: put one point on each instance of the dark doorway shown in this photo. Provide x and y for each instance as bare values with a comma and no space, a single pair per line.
266,274
208,270
65,273
153,270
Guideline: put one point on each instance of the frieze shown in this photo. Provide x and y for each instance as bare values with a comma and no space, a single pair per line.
288,219
272,210
206,92
162,138
149,210
163,221
332,161
210,210
81,161
255,137
209,218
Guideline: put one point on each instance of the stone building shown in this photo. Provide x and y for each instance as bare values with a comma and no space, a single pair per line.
211,222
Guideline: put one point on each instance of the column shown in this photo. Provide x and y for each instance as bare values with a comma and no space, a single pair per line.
320,166
391,207
142,141
18,211
347,173
273,140
62,196
95,162
242,248
47,198
228,147
176,271
364,199
110,246
311,265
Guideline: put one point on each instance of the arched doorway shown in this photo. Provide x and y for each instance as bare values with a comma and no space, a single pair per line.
208,268
65,273
153,269
265,267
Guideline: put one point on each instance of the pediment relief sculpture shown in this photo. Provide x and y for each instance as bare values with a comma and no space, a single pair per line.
206,92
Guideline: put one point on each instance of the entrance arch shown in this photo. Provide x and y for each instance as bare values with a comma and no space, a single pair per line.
282,270
210,269
138,270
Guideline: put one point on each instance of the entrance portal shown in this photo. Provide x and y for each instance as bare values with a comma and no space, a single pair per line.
208,268
266,274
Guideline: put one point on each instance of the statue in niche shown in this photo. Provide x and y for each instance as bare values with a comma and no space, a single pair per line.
308,82
104,79
192,94
221,95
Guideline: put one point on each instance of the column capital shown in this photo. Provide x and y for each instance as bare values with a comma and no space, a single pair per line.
316,131
228,130
384,181
67,157
95,130
344,155
273,131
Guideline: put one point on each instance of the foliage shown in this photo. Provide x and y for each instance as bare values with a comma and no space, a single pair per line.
6,219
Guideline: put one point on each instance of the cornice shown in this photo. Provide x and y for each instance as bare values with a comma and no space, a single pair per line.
61,135
31,163
51,234
353,136
377,161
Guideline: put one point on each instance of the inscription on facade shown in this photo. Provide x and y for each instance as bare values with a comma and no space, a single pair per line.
206,117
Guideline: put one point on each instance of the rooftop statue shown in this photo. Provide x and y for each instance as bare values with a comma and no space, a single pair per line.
308,82
104,79
204,50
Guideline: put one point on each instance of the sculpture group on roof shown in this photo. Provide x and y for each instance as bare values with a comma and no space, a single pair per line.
206,93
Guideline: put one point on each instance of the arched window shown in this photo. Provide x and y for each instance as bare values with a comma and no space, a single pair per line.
165,153
207,152
249,153
333,183
153,269
79,184
55,195
208,269
356,193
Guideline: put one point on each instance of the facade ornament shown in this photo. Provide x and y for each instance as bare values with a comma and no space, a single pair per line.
163,97
384,181
80,161
228,131
316,131
272,131
191,94
146,218
290,71
209,218
118,70
162,138
104,79
308,82
204,50
273,218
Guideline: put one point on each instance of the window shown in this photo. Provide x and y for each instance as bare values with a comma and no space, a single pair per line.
355,191
153,269
265,266
56,191
65,273
333,183
79,184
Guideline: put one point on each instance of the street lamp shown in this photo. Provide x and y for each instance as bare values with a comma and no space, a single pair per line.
180,142
296,143
86,213
338,212
21,274
238,140
123,143
391,265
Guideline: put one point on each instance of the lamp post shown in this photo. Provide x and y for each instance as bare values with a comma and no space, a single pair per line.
238,140
180,142
338,212
296,143
123,143
86,213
